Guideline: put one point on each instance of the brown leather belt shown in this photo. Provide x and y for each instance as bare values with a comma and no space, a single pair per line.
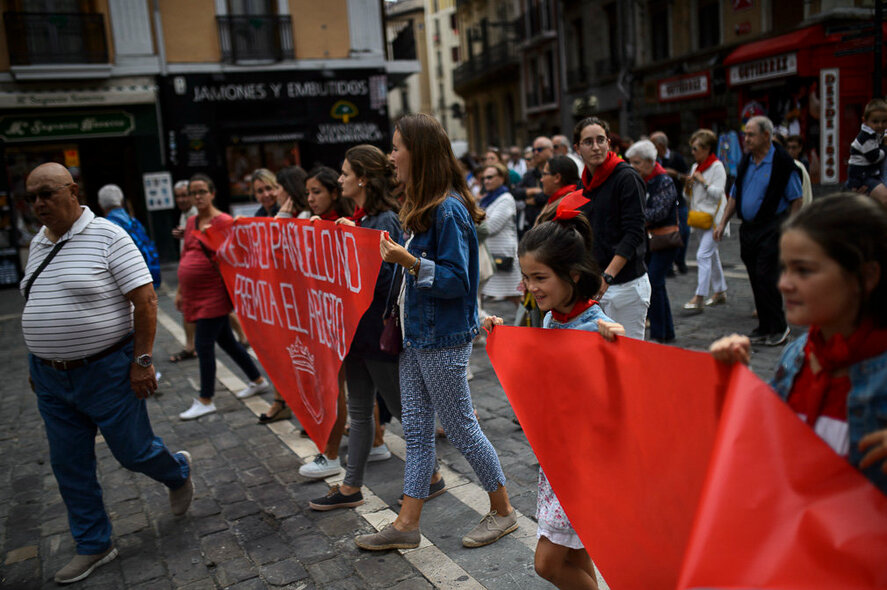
77,363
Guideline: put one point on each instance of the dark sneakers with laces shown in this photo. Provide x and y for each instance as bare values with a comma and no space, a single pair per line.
336,499
777,338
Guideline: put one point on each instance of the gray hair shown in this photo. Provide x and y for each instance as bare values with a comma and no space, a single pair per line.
764,124
659,138
179,185
110,196
643,149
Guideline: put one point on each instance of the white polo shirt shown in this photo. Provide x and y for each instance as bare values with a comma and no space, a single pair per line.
77,305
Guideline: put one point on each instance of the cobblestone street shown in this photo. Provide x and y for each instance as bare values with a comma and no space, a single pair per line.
250,525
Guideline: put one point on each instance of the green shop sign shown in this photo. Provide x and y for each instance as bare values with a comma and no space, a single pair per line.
15,128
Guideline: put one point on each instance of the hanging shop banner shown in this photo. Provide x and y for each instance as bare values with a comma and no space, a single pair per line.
829,135
768,68
684,87
299,289
693,468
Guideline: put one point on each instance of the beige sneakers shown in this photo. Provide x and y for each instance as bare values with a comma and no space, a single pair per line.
490,529
82,565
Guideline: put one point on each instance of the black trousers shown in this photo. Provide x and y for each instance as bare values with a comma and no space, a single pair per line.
759,250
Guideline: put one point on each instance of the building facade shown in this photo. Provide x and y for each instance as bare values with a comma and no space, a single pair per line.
444,55
144,92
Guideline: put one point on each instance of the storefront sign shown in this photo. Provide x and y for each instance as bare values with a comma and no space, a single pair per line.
90,97
684,87
16,128
265,91
348,133
768,68
829,82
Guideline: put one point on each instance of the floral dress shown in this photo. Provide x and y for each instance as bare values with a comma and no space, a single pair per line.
550,516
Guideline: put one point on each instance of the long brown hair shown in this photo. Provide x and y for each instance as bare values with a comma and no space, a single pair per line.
368,161
434,172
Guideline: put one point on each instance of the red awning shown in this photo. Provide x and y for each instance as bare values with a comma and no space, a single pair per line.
801,39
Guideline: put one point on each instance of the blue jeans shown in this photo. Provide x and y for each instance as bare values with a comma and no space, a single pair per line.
681,253
661,325
74,405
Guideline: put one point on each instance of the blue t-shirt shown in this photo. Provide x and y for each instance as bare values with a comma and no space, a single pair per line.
138,234
756,181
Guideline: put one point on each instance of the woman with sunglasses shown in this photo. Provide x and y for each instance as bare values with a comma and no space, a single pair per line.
501,240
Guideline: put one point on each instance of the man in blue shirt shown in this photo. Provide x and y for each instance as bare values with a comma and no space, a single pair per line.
111,202
767,190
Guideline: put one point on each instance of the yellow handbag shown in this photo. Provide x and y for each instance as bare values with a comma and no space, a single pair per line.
700,219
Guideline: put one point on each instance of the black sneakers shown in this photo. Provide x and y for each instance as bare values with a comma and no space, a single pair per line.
336,499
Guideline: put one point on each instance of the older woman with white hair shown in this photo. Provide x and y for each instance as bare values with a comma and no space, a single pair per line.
661,211
111,202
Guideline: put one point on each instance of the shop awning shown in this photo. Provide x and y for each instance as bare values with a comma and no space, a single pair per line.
801,39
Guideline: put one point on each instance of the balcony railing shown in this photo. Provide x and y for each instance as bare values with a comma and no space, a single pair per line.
487,63
255,37
35,38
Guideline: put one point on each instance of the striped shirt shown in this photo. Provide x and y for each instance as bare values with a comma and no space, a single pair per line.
77,305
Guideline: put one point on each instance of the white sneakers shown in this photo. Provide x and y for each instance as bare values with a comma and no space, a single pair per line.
380,453
254,388
321,467
197,410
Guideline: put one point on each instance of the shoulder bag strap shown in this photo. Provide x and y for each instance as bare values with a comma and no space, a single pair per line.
44,264
396,279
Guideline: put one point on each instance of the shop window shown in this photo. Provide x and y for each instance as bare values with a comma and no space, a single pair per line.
709,24
243,159
659,41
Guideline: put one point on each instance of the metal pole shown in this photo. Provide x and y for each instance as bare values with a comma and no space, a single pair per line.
879,45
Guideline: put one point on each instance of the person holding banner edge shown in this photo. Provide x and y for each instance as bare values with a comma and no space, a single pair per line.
833,280
203,299
441,259
368,179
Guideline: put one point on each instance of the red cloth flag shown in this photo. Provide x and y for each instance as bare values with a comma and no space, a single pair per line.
299,289
780,509
666,491
624,431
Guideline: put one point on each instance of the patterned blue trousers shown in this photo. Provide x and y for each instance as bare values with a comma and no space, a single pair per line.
436,381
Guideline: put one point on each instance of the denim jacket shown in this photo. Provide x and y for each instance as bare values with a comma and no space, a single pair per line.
587,320
866,403
440,304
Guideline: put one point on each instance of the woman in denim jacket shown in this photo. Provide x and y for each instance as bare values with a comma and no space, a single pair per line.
834,377
439,320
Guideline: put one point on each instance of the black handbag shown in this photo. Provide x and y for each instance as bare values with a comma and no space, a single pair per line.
391,339
503,263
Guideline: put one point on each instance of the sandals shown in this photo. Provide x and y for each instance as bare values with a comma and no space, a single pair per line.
183,355
283,413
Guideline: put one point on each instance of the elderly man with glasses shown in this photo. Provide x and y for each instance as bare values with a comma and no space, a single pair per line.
89,322
528,192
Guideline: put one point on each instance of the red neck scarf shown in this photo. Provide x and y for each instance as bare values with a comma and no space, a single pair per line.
560,193
330,215
577,309
601,173
711,159
657,170
833,357
358,215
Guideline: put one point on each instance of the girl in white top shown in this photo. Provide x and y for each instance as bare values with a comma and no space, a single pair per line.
705,187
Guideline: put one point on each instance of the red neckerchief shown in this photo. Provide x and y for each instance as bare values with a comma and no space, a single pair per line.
358,215
601,173
834,356
560,193
578,308
711,159
657,171
330,215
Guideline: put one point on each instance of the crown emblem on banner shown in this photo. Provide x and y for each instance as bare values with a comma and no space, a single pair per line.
301,357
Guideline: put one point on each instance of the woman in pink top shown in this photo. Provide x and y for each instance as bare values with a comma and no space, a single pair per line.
203,299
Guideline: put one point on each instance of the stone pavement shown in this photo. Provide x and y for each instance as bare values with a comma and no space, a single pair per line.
249,526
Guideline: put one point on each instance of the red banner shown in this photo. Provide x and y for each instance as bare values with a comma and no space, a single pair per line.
299,289
626,433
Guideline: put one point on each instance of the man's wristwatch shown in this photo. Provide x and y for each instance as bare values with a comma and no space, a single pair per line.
144,360
608,278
